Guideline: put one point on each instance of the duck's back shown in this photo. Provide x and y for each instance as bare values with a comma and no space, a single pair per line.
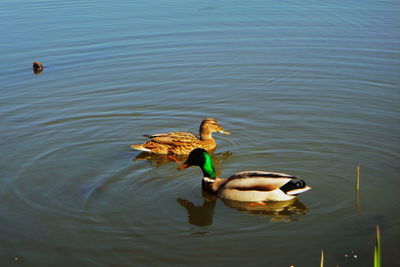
178,143
255,186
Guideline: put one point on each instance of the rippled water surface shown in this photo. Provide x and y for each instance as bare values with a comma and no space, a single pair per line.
308,88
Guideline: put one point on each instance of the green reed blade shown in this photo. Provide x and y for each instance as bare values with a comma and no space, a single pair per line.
377,248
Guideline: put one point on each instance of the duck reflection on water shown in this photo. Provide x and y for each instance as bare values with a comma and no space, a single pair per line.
279,211
158,160
201,215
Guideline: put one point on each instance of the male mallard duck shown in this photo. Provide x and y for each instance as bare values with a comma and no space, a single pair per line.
248,186
181,143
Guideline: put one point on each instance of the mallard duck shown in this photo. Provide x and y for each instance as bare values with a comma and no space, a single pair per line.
247,186
181,143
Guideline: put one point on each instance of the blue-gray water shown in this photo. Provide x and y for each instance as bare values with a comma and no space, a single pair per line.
310,88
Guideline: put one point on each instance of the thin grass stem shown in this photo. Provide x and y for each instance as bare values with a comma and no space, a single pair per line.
322,258
377,248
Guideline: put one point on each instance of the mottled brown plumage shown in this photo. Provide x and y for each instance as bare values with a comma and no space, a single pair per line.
181,143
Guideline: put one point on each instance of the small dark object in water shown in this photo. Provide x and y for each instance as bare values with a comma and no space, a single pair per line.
37,67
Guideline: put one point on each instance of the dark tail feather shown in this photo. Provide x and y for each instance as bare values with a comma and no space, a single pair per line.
291,185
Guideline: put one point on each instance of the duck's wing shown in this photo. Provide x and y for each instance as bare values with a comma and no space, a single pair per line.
173,138
258,180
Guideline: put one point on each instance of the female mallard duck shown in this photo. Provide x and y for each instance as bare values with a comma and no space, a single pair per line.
248,186
181,143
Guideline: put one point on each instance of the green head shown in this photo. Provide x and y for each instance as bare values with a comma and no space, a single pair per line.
200,157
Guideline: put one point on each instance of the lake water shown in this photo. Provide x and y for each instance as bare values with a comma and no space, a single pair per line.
309,88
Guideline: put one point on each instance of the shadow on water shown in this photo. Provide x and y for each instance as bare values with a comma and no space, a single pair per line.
280,211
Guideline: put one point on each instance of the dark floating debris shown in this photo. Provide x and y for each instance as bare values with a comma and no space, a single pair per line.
37,67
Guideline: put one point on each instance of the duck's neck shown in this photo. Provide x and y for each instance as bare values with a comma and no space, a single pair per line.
209,176
212,185
208,168
208,185
205,133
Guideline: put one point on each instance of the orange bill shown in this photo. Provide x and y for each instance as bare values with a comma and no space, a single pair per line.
183,166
